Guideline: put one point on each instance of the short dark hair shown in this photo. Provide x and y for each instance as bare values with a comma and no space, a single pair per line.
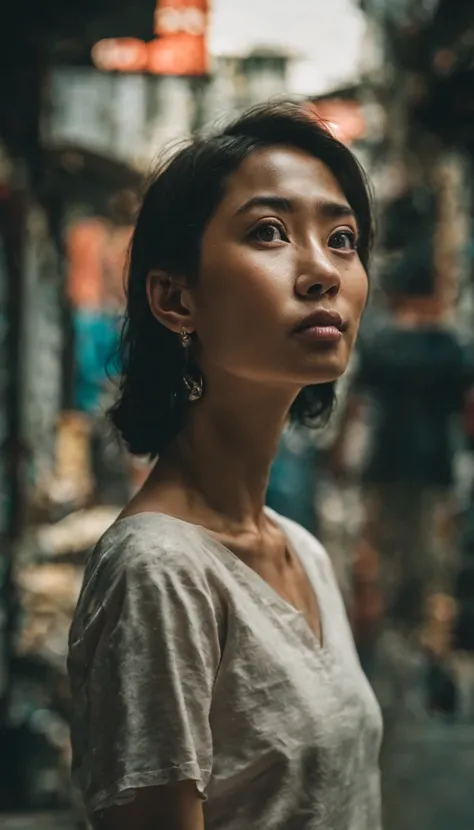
181,197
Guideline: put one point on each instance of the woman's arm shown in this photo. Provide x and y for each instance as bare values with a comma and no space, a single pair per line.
142,675
174,807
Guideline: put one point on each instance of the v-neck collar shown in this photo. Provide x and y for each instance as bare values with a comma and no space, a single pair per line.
272,595
259,582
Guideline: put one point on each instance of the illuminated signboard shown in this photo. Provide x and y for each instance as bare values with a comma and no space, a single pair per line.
185,16
179,48
345,118
125,54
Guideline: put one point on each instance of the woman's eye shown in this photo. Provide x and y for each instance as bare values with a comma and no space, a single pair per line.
343,241
269,232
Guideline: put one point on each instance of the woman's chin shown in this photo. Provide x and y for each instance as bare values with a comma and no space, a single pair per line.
328,372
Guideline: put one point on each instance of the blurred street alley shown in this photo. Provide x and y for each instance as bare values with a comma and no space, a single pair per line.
90,96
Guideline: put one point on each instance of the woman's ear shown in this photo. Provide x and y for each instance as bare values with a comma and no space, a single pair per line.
169,301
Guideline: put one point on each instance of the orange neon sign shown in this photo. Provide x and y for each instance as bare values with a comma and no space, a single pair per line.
179,54
125,54
181,16
180,47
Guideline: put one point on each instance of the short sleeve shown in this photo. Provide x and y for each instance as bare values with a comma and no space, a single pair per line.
142,676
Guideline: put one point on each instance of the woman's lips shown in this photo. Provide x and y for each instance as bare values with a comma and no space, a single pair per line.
322,334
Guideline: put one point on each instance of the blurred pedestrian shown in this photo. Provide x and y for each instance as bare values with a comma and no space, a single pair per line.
214,678
412,374
415,375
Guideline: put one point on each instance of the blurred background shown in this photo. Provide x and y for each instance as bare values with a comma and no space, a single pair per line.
89,94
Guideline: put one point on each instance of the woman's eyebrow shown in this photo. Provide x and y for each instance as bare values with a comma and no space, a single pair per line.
336,210
327,208
274,202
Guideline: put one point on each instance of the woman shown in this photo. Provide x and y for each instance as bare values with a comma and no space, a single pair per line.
214,678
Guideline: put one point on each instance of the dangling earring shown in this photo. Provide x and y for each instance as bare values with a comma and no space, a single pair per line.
194,385
185,338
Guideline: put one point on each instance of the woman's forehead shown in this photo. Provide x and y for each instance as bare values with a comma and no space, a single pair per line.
284,171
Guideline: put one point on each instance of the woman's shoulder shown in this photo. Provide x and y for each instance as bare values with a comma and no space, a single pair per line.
141,556
152,541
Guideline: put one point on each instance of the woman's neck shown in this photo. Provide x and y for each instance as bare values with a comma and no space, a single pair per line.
219,465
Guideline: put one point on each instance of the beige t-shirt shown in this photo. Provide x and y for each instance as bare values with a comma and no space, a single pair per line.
185,664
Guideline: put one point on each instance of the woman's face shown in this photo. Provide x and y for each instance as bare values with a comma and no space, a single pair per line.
281,247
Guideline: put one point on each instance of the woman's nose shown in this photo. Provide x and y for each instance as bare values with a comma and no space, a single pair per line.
317,275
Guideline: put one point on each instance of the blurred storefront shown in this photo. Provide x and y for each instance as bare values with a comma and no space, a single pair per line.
67,204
